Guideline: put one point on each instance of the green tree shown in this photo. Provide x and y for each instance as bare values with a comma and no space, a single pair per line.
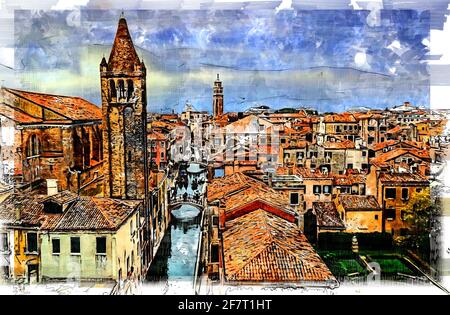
422,209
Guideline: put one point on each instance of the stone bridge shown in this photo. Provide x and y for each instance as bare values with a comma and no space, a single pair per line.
189,200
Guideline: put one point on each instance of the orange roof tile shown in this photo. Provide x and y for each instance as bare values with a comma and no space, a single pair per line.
72,108
261,247
346,144
327,215
393,154
340,118
355,202
17,115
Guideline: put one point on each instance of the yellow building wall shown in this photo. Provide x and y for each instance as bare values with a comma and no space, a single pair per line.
120,246
361,221
21,257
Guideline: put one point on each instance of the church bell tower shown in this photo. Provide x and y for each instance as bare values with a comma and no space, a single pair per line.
217,98
124,109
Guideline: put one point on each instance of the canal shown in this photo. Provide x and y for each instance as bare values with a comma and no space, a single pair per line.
173,267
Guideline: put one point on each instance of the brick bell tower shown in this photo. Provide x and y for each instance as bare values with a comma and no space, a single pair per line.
217,98
124,108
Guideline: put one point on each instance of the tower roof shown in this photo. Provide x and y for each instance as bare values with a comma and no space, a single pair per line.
123,55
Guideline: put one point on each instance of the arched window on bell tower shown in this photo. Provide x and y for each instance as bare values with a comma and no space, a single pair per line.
130,89
112,90
121,85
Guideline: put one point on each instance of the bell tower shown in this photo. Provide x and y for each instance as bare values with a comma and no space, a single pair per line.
124,109
217,98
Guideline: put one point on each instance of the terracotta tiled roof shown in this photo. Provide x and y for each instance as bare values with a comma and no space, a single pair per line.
393,154
123,56
346,144
381,145
304,172
83,213
355,202
93,213
17,115
220,187
249,124
415,144
238,189
261,247
154,135
327,215
30,208
349,179
340,118
72,108
298,145
397,129
403,178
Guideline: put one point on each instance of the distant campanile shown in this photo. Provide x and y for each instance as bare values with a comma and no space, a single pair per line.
124,107
217,98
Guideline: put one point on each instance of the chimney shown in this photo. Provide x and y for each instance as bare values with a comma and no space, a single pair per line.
221,217
270,179
52,187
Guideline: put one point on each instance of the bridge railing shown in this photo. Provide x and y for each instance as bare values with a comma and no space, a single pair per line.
188,199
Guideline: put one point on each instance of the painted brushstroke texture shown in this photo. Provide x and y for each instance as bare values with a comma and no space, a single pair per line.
328,59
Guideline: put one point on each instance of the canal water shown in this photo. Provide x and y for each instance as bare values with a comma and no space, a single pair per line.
174,263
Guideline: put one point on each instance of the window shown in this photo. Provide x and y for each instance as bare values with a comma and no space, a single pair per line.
112,89
364,153
32,242
390,193
317,189
405,194
33,146
56,246
294,198
350,166
74,245
214,253
327,189
215,220
101,246
376,216
390,214
3,242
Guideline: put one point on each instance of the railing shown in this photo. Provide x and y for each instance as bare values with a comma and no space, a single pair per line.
188,199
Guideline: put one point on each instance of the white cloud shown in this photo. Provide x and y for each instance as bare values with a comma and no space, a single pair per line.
439,97
284,5
7,56
397,47
361,60
440,44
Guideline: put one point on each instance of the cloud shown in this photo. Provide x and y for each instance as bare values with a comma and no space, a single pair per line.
289,58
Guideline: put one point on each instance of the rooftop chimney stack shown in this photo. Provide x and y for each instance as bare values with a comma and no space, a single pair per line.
52,187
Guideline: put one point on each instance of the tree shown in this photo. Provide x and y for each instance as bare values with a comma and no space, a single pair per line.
420,214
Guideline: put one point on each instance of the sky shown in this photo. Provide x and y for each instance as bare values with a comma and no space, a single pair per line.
332,60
